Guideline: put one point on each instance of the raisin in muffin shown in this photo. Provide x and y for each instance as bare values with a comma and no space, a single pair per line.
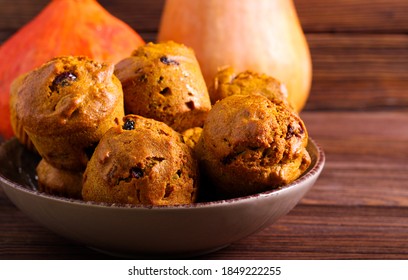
164,82
250,145
59,182
142,162
227,82
65,106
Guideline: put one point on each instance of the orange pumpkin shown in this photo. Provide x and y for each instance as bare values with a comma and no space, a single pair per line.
64,27
263,36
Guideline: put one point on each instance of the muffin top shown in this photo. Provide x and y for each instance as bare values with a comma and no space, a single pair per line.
141,162
227,82
252,122
250,144
164,82
67,94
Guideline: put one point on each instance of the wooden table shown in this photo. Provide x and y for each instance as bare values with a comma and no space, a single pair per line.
357,111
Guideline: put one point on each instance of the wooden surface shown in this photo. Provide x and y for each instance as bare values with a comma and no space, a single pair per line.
357,111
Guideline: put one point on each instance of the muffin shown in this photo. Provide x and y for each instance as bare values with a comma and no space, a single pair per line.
58,182
65,106
141,162
164,82
15,122
227,82
250,145
191,136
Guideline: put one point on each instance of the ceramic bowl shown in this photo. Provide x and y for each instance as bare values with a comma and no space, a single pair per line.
186,230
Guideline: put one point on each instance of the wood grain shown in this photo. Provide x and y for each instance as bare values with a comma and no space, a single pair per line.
353,16
364,16
359,71
367,158
142,15
321,232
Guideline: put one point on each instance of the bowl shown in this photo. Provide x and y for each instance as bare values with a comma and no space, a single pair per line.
128,231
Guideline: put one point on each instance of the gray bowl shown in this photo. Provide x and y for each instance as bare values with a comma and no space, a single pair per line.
124,230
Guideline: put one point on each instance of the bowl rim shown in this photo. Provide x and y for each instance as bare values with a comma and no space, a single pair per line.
313,171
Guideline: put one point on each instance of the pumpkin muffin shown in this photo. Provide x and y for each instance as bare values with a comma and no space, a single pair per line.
227,82
58,182
250,145
164,82
65,106
141,162
191,136
15,122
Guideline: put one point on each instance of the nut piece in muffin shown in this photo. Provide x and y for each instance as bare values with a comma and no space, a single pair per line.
58,182
250,145
66,105
227,82
141,162
164,82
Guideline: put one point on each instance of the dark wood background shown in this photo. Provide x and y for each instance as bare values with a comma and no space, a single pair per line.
357,111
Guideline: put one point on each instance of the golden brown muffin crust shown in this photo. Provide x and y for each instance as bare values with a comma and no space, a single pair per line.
250,144
228,82
59,182
66,105
164,82
191,136
68,94
141,162
15,119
